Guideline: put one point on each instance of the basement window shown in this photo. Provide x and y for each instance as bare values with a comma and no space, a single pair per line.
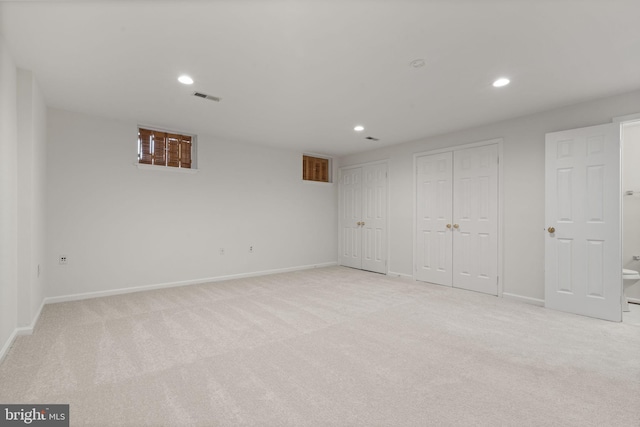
316,168
166,149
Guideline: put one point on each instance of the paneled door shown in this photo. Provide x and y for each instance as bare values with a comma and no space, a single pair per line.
457,218
583,267
475,215
351,217
363,217
434,184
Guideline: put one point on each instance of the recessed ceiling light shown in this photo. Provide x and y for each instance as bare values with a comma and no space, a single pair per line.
358,128
185,80
502,81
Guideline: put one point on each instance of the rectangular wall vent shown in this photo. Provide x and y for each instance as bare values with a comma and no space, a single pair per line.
205,96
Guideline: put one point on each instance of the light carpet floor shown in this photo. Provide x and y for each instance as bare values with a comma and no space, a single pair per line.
325,347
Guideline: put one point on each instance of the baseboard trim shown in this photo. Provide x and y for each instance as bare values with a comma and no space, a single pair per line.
98,294
19,331
28,330
527,300
8,344
404,276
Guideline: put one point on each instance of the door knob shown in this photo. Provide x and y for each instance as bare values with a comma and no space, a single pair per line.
359,223
456,226
362,222
551,230
448,225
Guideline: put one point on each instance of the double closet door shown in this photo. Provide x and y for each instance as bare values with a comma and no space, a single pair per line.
457,218
363,217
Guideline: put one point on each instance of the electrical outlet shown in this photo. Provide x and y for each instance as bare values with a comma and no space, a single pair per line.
62,260
250,249
221,251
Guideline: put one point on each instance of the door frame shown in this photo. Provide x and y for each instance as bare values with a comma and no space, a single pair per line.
496,141
386,220
622,120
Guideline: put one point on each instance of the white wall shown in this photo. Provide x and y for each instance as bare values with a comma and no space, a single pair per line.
523,190
631,209
8,199
22,196
122,227
31,196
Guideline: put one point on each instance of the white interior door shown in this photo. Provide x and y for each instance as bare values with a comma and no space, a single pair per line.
374,217
434,205
350,217
457,218
583,267
363,217
475,216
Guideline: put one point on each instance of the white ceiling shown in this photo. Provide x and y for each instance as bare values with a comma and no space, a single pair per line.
302,73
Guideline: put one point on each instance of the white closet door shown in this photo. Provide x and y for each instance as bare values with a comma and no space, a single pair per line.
475,216
351,217
583,267
434,212
374,217
363,217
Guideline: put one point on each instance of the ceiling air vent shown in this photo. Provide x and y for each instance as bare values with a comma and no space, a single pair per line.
205,96
370,138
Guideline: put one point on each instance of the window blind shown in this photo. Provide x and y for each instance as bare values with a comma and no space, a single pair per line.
164,149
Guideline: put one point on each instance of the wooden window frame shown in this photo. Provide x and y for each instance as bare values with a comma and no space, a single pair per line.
175,151
316,168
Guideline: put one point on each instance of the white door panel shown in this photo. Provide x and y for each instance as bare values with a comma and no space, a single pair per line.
374,217
434,212
350,214
583,269
475,216
363,217
457,218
